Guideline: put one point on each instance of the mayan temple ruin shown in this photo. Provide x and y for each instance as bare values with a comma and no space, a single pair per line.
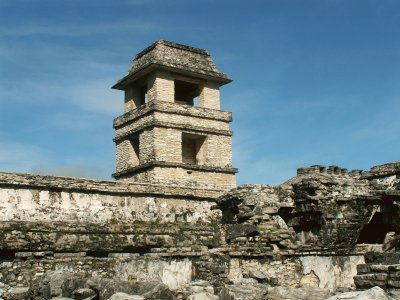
163,137
174,225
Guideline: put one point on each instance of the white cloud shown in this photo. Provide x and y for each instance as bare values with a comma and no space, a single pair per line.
97,97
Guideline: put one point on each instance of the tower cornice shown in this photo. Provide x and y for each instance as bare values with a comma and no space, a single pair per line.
172,108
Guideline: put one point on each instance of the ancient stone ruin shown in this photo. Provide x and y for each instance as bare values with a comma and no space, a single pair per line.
173,225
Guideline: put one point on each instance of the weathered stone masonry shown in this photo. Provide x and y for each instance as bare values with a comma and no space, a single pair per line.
174,226
163,137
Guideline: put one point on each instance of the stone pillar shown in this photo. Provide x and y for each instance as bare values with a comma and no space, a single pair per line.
160,87
209,95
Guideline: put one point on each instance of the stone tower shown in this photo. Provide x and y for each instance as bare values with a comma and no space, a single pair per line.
173,131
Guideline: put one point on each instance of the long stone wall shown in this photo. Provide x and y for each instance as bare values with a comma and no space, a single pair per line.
79,207
49,213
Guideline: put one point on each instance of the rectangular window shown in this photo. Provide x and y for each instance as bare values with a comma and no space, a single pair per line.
185,92
135,96
134,151
143,95
193,150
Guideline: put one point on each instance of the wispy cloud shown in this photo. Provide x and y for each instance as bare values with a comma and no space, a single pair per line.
21,157
28,158
69,87
18,157
79,171
24,3
45,51
71,30
79,121
97,97
30,91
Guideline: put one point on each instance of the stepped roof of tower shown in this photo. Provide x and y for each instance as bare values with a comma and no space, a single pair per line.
174,57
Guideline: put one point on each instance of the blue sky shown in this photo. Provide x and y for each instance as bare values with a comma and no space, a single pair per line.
315,81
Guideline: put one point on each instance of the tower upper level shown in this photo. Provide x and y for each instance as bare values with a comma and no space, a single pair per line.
164,56
173,131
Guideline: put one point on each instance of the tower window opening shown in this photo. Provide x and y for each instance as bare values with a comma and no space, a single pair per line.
143,95
134,151
186,92
193,151
375,231
196,101
135,96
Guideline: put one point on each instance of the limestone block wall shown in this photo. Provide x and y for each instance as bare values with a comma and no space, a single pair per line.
327,272
196,114
130,129
185,119
60,213
28,197
209,95
217,144
165,145
193,121
146,146
30,267
159,127
379,269
43,205
309,271
168,145
123,149
178,175
161,87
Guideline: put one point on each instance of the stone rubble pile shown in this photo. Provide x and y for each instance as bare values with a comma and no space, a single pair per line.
107,289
